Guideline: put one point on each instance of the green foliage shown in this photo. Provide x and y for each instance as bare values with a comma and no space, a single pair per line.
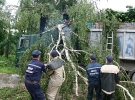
27,22
7,39
29,13
83,12
110,25
11,42
7,65
43,45
61,6
122,94
2,2
44,7
69,82
3,26
80,13
17,93
127,16
58,4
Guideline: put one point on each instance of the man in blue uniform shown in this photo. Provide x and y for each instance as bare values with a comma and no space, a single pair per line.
33,75
93,71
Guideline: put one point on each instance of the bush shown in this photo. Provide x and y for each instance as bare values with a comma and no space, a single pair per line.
7,64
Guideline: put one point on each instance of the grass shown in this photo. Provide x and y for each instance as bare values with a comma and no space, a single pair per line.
18,93
8,70
7,93
7,65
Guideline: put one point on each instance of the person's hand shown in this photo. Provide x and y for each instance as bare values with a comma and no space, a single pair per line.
45,64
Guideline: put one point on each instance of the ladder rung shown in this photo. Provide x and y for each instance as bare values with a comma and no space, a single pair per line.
109,49
109,37
109,43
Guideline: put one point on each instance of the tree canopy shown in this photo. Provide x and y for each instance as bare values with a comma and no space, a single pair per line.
74,51
127,16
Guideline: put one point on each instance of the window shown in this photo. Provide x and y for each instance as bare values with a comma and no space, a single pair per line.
24,42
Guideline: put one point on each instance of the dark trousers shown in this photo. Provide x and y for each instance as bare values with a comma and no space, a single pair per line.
105,96
35,91
91,87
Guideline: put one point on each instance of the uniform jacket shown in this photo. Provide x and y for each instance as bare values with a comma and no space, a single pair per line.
93,71
34,70
56,76
109,78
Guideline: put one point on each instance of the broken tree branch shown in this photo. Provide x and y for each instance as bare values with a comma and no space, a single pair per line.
60,26
131,97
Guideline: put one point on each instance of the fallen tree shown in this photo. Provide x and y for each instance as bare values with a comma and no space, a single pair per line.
75,75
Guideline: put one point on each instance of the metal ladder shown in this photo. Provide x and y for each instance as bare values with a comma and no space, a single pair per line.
109,45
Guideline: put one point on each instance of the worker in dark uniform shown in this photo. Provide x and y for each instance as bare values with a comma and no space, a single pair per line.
93,72
65,16
43,23
33,75
109,78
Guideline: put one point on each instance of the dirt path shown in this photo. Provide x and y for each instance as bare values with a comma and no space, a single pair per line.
9,80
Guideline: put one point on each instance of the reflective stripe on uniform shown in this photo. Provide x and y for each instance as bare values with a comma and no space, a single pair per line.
93,68
35,65
28,71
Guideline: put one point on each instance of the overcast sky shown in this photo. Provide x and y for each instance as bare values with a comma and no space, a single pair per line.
13,2
119,5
